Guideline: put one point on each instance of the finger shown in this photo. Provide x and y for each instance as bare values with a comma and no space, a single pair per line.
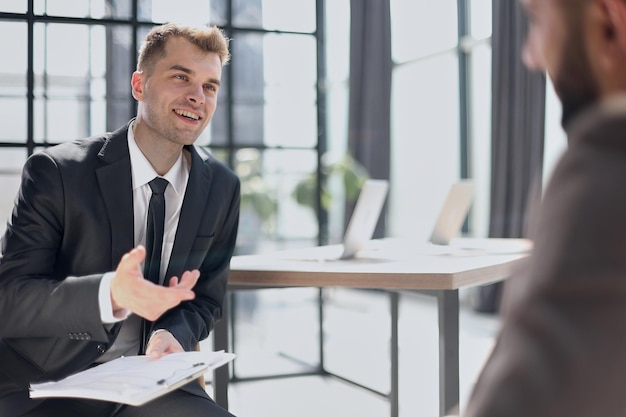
127,277
181,294
154,300
136,255
189,279
155,349
131,262
168,344
172,296
173,348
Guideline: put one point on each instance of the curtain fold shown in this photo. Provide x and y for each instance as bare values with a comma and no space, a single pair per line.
518,116
517,134
370,90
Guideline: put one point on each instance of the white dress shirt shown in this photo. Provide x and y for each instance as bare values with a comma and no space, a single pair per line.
142,173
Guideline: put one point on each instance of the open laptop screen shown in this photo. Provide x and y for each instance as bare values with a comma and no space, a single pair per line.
365,216
453,212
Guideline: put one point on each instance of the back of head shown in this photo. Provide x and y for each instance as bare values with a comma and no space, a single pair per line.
208,39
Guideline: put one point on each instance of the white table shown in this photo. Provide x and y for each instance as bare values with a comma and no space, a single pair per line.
387,264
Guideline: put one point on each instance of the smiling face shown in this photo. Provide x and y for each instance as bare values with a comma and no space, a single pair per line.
556,44
178,95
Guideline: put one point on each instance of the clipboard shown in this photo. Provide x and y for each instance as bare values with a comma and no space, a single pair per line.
133,380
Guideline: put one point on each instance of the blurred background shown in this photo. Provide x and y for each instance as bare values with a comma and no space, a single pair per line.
319,95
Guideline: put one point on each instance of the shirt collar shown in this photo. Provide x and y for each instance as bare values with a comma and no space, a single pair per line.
143,173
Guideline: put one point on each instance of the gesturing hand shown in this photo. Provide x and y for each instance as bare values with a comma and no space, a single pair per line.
129,289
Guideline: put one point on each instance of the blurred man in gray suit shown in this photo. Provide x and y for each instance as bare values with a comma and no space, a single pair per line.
562,347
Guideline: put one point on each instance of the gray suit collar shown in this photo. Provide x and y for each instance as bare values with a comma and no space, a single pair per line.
114,179
192,211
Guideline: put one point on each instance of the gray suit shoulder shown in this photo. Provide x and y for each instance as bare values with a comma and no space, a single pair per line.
217,166
79,149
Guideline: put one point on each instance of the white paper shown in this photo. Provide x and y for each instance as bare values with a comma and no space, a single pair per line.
133,380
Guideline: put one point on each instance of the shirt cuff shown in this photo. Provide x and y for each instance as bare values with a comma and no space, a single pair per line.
104,299
158,331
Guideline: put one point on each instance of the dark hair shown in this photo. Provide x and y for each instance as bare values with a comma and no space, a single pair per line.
209,39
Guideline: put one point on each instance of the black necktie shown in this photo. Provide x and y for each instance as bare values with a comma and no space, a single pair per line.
154,229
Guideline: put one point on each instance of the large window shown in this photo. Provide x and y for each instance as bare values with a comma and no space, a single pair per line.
441,110
69,74
69,77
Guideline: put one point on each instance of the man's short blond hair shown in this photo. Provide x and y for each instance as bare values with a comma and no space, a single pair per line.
209,39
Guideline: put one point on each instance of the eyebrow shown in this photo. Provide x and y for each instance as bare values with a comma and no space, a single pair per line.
177,67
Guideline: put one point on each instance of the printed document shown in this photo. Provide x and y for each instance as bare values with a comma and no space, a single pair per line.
133,380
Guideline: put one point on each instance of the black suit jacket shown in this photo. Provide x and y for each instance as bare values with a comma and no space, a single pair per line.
562,347
72,222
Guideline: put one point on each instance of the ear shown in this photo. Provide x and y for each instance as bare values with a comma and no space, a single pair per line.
137,84
608,35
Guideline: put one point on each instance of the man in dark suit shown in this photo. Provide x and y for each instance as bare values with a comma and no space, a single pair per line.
562,347
72,286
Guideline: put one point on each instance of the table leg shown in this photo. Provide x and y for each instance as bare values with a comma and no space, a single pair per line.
320,323
393,394
221,375
448,306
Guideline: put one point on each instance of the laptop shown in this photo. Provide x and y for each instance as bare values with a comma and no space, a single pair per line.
453,213
450,221
365,216
362,223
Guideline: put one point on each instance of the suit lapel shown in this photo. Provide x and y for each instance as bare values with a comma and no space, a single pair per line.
115,180
194,204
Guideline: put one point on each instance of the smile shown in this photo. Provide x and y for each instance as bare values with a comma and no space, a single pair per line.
187,114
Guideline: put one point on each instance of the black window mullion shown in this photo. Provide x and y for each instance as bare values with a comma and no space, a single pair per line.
30,79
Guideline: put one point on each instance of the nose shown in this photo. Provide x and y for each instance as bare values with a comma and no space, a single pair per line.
531,57
196,93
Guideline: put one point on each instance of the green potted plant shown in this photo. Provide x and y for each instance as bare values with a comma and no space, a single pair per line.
349,172
258,203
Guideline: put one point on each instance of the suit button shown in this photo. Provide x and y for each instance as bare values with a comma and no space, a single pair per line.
101,348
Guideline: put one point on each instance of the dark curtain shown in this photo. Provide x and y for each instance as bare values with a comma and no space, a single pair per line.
120,105
370,90
517,134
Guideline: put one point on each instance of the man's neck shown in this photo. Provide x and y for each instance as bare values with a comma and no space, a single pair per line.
161,153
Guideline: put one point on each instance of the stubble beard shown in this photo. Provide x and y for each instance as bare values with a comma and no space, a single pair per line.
576,85
167,130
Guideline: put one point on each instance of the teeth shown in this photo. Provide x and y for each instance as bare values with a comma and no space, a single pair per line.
187,114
